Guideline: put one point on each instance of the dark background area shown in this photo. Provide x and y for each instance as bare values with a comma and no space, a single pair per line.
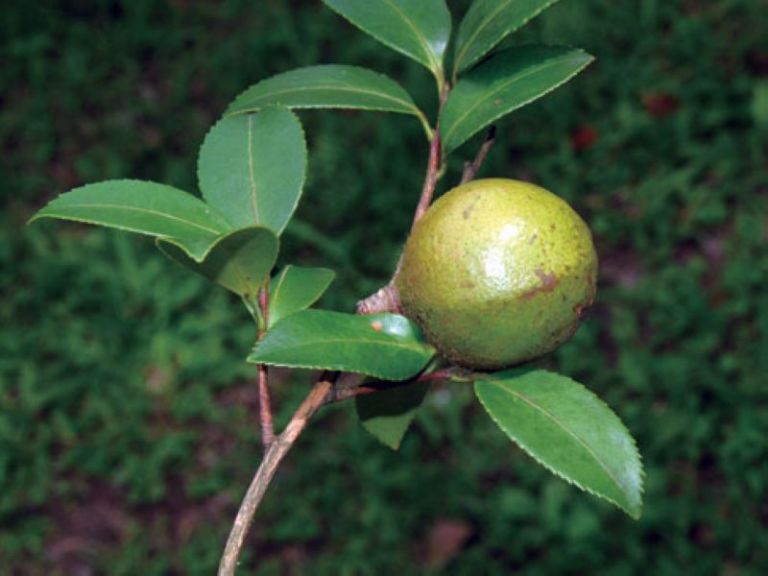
127,412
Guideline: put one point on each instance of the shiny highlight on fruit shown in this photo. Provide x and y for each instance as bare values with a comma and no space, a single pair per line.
497,272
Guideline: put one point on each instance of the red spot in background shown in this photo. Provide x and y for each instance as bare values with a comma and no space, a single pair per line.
445,540
583,137
660,104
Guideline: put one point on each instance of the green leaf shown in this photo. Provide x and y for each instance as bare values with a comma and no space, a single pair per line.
487,23
569,430
295,289
239,260
144,207
327,86
396,325
507,81
420,29
251,168
319,339
388,414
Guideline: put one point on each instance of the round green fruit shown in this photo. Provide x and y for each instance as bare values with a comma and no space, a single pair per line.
497,272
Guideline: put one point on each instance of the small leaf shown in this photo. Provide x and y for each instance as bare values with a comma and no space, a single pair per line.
420,29
295,289
144,207
567,429
507,81
388,414
319,339
488,22
251,168
327,86
239,260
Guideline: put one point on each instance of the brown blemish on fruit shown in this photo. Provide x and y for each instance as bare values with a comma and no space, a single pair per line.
467,212
548,283
532,239
579,308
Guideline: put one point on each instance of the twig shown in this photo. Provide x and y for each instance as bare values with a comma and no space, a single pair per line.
387,298
324,391
472,168
431,178
338,394
265,404
272,458
265,408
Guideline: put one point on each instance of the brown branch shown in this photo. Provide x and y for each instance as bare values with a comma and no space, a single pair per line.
324,391
265,404
272,458
265,408
434,171
472,168
431,178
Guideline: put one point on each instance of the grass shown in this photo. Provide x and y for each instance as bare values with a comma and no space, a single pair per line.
127,430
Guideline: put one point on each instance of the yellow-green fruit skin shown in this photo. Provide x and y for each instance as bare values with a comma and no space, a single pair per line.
497,272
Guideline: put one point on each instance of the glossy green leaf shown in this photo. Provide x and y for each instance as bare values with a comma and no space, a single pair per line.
251,168
396,325
420,29
295,289
507,81
144,207
240,260
327,86
569,430
487,23
388,414
319,339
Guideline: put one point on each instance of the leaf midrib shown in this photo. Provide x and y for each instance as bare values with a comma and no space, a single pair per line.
513,79
471,39
252,174
570,432
418,348
330,87
419,37
135,209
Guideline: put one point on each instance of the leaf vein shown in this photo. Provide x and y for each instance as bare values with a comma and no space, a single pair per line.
552,417
135,209
331,87
503,85
252,174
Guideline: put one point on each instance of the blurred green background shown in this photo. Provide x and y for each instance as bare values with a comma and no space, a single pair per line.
127,413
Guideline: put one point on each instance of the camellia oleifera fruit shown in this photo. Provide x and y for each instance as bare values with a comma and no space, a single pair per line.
497,272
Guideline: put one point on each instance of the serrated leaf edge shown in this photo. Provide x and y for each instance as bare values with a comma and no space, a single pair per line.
333,366
433,64
159,241
303,172
169,239
409,103
281,278
470,64
589,59
634,514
